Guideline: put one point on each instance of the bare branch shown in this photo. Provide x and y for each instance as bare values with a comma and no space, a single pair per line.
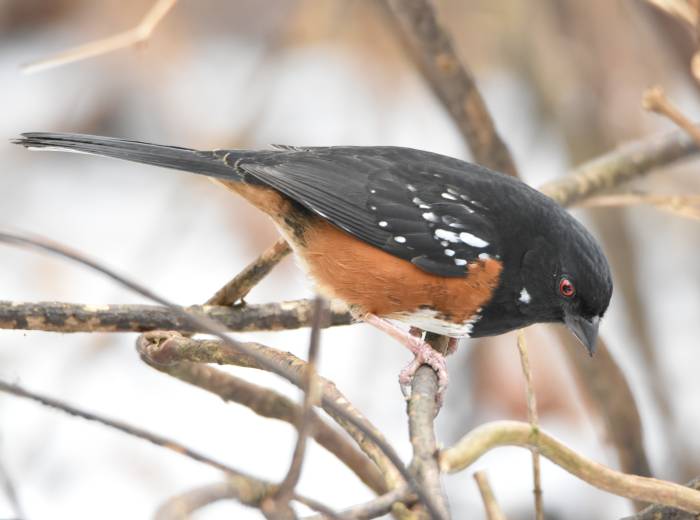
422,409
341,410
452,82
254,272
493,510
632,160
73,317
514,433
532,417
133,36
157,351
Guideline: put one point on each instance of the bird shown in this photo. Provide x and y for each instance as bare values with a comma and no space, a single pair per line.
405,236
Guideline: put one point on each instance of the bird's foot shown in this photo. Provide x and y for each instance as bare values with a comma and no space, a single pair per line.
425,355
423,352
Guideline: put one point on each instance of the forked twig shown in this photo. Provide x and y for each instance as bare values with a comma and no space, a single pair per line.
655,100
133,36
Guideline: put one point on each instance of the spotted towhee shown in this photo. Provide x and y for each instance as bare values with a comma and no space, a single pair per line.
400,234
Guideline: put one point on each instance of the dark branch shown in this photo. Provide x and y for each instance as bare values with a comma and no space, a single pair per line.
73,317
452,82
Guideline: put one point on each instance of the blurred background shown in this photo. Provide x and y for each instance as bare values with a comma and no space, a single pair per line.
564,81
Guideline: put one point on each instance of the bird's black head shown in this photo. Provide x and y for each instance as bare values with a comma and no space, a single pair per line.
555,272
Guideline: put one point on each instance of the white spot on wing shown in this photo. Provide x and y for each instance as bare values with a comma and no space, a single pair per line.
484,256
460,261
400,240
449,252
430,217
472,240
411,187
524,296
448,196
444,234
383,223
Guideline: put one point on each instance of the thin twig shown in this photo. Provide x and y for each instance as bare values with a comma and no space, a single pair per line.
158,351
311,397
514,433
134,431
74,317
253,273
532,418
133,36
452,82
655,100
493,510
214,328
177,349
11,493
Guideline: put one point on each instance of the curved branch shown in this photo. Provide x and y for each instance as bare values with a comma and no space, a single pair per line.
514,433
263,401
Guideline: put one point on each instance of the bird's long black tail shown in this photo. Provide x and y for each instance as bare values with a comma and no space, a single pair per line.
212,164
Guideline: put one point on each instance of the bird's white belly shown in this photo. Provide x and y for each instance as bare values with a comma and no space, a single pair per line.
427,319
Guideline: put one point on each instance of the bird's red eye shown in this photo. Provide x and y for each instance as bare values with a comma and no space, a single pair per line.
566,288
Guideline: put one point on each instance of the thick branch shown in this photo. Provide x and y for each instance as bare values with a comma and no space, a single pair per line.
262,401
73,317
513,433
452,82
422,409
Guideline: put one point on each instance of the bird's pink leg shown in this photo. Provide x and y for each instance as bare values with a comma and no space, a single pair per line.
423,352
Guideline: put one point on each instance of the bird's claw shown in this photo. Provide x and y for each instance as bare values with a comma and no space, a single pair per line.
424,355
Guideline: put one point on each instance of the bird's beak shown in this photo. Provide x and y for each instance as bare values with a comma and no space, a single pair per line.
585,330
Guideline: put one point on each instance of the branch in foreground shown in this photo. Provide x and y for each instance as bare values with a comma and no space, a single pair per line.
375,508
73,317
178,349
514,433
452,82
156,347
632,160
305,422
163,442
212,327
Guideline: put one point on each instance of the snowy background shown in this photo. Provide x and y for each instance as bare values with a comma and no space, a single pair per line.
240,74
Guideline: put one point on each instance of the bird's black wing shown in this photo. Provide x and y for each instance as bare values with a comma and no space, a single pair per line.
415,205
